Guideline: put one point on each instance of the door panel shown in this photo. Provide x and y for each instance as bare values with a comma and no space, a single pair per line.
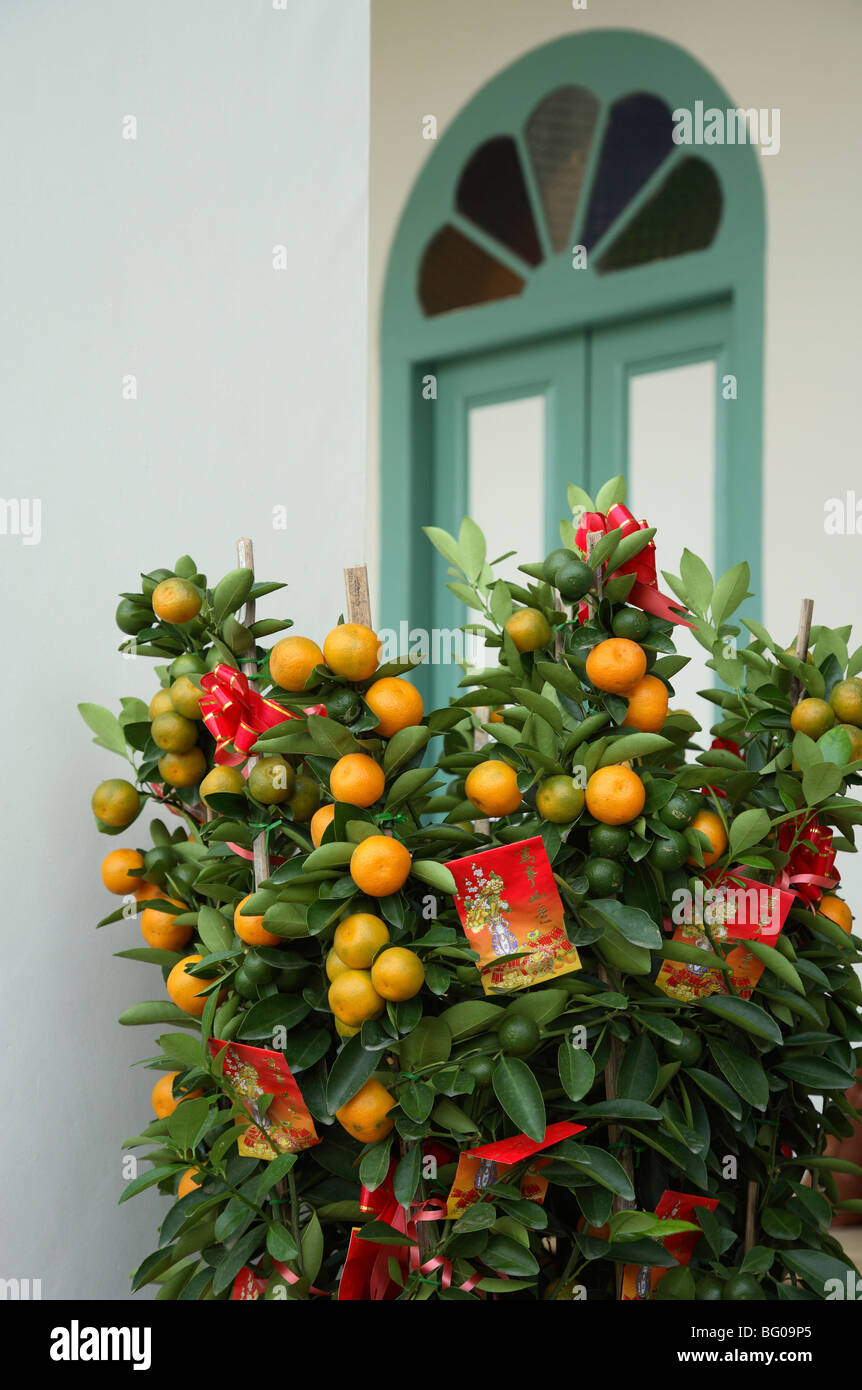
655,388
511,432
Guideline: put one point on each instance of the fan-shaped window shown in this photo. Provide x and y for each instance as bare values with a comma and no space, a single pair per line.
594,194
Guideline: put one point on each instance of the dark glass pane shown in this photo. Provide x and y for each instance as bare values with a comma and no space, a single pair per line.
492,193
638,138
682,216
456,273
559,134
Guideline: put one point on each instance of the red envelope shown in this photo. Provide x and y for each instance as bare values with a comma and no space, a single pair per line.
287,1126
521,1146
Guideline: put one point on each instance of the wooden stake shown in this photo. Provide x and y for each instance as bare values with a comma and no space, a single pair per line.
245,560
480,738
803,635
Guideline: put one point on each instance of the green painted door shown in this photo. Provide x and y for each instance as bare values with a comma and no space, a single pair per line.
513,427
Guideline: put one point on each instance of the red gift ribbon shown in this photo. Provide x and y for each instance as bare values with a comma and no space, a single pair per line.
808,872
235,714
644,593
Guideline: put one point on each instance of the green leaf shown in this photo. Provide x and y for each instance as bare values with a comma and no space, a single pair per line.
577,1070
599,1165
520,1095
434,874
470,1018
231,592
214,930
717,1090
312,1248
280,1244
273,1173
471,548
239,1254
374,1164
145,1180
730,590
817,1073
106,727
638,1072
777,963
633,923
428,1044
156,1011
333,740
403,747
743,1014
748,829
185,1122
620,750
744,1073
815,1267
508,1256
276,1011
780,1224
446,544
759,1260
820,781
407,1175
608,495
350,1071
181,1048
697,581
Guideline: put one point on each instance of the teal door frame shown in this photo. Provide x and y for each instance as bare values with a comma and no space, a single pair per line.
558,300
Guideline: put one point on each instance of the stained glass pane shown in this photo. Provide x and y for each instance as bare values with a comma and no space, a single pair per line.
492,193
456,273
559,134
682,216
637,139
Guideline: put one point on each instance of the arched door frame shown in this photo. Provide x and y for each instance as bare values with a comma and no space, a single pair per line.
559,300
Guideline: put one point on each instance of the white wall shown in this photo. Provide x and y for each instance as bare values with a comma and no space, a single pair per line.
151,257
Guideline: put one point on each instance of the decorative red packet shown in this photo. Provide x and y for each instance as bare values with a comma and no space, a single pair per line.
641,1281
287,1123
750,911
247,1286
688,983
480,1168
512,915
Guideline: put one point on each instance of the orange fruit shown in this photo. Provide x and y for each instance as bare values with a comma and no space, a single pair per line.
271,780
344,1030
357,779
186,697
397,974
334,966
352,651
250,929
647,709
220,780
712,827
615,795
292,661
397,704
837,911
176,601
115,802
173,733
161,703
190,1180
529,630
116,868
353,998
616,664
160,929
366,1115
319,821
185,989
559,800
812,717
380,865
846,701
855,736
358,938
163,1100
183,769
496,716
492,786
147,890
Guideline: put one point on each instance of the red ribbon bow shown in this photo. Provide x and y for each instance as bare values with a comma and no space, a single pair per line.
644,593
807,872
235,714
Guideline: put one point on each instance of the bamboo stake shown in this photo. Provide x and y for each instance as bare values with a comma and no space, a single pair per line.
480,737
245,560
